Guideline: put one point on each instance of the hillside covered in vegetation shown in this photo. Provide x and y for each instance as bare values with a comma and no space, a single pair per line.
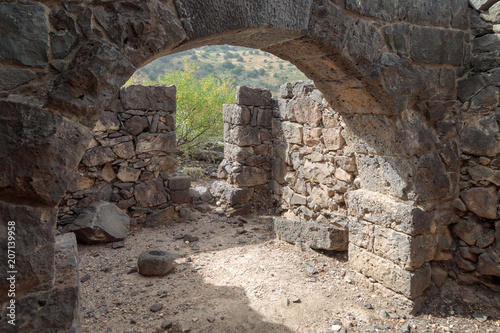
242,66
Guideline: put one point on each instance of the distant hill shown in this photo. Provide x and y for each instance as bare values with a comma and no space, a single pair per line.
245,66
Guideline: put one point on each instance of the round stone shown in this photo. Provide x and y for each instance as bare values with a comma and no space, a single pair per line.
155,263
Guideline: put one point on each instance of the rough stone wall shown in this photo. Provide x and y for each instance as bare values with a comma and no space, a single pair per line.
477,255
314,167
247,149
131,159
316,178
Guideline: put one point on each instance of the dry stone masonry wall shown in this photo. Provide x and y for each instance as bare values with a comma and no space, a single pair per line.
247,150
131,159
477,255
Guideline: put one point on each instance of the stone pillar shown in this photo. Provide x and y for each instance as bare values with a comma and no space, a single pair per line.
38,158
247,145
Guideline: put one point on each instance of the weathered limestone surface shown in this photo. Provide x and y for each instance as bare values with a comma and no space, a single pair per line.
131,158
59,308
314,235
476,256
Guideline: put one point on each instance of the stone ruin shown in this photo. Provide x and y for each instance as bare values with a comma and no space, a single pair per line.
416,85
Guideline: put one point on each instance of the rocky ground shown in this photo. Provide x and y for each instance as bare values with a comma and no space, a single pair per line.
232,275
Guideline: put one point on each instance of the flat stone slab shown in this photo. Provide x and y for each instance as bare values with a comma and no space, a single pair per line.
313,234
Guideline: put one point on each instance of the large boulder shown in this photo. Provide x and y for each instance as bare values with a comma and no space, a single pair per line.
102,222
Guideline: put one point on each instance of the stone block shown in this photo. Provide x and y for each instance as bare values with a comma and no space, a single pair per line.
102,222
125,150
107,122
136,125
116,18
161,217
39,152
298,199
437,46
474,233
438,276
488,266
110,141
179,182
397,37
411,284
108,174
318,172
84,88
333,139
383,9
58,308
480,173
426,12
230,194
329,23
34,230
469,87
482,201
306,111
24,35
253,96
80,183
181,196
251,176
13,77
151,193
485,53
157,98
150,142
278,170
396,300
66,35
165,164
482,5
478,135
363,52
200,194
262,117
292,132
314,235
460,14
286,90
128,175
488,98
236,114
389,212
245,136
361,234
289,15
205,19
237,153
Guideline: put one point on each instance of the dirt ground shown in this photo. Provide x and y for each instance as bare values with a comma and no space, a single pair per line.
238,278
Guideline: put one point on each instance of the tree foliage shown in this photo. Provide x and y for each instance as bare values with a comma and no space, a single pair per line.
199,105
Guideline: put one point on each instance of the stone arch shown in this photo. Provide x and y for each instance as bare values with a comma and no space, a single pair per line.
388,68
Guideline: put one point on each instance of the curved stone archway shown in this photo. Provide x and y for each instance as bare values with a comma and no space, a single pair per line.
389,68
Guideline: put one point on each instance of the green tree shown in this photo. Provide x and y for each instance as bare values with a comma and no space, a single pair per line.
199,105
